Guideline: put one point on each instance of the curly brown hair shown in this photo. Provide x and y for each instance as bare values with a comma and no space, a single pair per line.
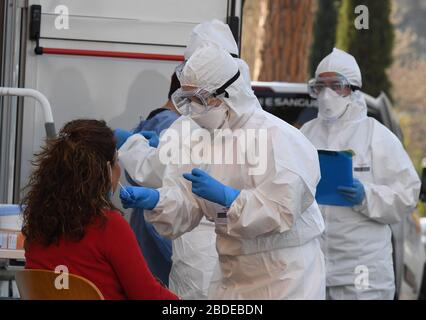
70,184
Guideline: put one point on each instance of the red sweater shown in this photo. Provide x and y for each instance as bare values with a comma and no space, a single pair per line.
109,256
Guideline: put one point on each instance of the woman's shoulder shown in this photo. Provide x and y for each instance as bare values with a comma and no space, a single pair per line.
114,217
110,221
111,226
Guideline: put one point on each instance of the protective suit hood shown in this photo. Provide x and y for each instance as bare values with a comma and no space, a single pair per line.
216,32
341,62
357,109
210,67
345,64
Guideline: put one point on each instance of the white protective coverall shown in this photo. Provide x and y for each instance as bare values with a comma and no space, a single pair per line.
357,240
194,253
269,243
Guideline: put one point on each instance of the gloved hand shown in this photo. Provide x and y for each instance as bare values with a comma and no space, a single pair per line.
355,194
139,197
207,187
152,137
121,136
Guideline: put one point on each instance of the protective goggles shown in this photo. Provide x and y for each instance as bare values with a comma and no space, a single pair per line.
200,98
338,84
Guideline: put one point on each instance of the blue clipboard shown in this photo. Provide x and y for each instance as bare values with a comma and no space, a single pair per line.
336,170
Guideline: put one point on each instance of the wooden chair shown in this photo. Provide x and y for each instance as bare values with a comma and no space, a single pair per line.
40,285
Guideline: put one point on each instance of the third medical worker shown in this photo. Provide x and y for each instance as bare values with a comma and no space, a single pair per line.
357,241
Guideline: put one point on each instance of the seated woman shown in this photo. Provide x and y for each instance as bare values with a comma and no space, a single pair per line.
69,219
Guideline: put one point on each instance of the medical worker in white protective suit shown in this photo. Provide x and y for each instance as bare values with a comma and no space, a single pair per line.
267,222
357,240
194,253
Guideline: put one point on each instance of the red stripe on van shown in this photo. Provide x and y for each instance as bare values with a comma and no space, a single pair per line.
113,54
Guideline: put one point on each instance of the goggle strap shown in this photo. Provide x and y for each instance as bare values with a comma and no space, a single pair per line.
222,89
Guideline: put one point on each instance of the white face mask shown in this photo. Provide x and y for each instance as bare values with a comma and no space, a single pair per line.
331,105
213,119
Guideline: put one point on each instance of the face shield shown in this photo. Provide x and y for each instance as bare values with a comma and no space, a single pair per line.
338,84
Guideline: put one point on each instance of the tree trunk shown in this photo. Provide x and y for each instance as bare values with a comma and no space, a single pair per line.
276,39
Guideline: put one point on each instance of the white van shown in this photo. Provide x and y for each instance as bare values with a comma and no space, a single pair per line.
103,59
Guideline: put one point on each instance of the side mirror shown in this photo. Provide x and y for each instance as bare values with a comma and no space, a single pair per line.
423,187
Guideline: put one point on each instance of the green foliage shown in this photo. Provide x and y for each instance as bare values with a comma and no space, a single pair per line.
421,209
324,31
371,47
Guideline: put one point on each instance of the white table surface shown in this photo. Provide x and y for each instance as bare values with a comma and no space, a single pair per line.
12,254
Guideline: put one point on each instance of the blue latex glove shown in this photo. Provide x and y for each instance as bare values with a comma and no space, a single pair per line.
139,197
355,194
152,137
206,187
121,136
